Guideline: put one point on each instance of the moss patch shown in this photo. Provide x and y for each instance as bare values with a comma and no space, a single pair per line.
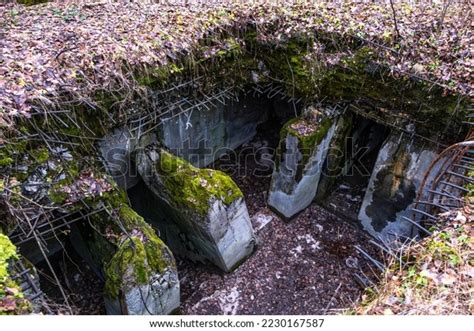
358,78
12,300
290,64
193,187
11,151
142,251
308,139
7,252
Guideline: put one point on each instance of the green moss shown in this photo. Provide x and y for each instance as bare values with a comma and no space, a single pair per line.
358,79
5,161
470,186
290,63
306,142
12,300
10,151
31,2
57,195
193,187
7,252
143,251
159,76
107,102
41,154
131,254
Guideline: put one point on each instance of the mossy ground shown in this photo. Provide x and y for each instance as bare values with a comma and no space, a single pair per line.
433,278
12,300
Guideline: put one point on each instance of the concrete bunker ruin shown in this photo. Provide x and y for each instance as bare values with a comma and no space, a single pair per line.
146,180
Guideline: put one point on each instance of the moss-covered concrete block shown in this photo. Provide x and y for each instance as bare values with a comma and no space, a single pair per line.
139,270
209,217
142,278
304,143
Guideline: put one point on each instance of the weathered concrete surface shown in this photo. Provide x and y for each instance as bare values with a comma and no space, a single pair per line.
394,183
205,134
303,149
116,149
161,296
206,215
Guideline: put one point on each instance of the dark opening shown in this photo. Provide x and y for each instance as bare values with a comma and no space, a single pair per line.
81,284
360,154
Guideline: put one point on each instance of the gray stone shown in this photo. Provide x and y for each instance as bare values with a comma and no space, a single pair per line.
396,178
160,296
116,149
295,178
206,218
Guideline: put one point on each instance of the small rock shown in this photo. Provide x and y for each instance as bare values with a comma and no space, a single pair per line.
460,218
352,262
